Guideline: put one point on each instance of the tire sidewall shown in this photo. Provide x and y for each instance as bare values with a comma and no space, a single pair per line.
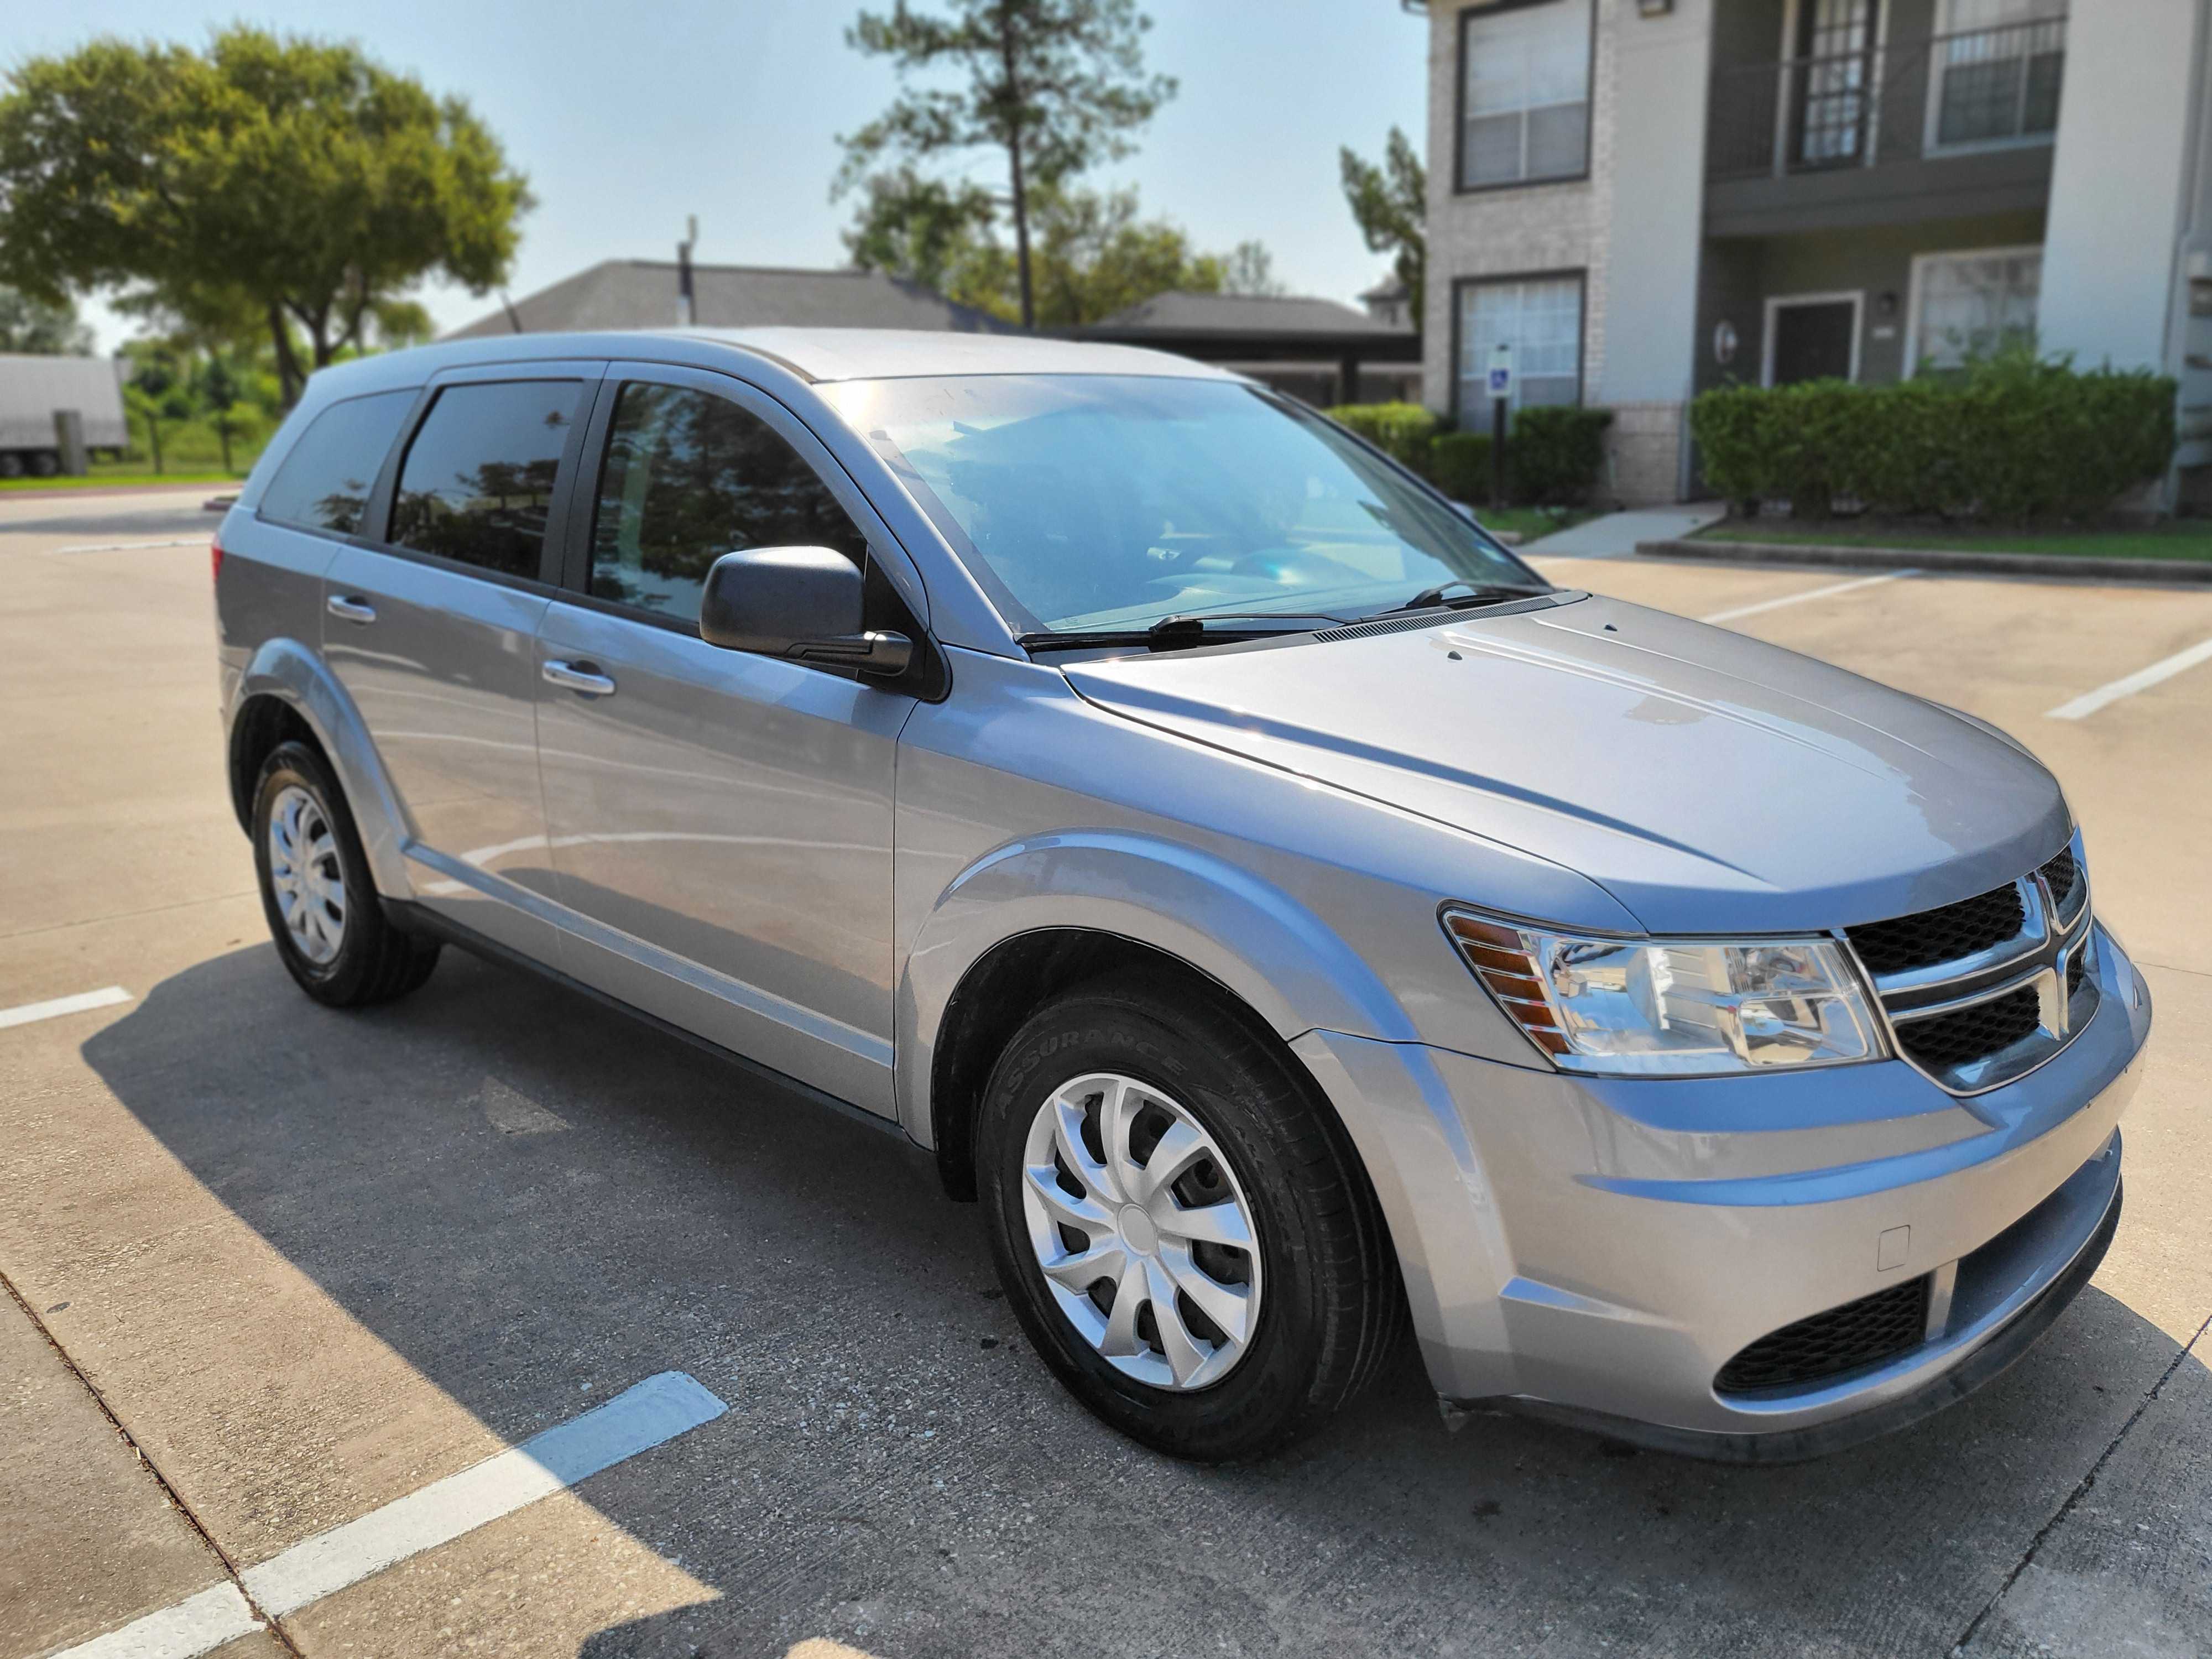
293,765
1270,1384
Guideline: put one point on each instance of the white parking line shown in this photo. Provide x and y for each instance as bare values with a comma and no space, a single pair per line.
77,1005
125,547
654,1412
2142,680
1814,593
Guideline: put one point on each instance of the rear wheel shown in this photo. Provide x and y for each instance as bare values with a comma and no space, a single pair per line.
1180,1224
317,893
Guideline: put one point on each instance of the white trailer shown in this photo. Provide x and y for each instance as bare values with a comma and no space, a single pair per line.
33,388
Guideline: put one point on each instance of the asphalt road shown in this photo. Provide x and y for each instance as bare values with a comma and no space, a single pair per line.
270,1269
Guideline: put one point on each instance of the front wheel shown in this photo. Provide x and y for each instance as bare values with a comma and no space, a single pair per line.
1180,1224
317,893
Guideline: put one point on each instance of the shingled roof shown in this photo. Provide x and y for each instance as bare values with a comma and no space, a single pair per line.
620,294
1178,313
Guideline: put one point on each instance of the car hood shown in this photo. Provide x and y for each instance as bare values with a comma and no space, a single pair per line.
1709,782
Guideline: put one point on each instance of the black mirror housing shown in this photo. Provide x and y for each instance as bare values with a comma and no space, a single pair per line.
803,603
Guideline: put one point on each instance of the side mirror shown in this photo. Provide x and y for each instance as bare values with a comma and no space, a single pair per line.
797,602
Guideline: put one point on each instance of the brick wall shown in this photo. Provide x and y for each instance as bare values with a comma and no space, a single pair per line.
1528,228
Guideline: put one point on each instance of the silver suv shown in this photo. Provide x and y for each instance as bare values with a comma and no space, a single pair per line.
1291,917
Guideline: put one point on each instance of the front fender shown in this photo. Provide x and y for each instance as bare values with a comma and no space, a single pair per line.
1252,938
296,676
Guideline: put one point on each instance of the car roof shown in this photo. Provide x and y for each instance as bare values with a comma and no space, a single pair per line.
812,354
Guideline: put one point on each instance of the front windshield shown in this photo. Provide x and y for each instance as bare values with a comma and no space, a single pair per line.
1107,502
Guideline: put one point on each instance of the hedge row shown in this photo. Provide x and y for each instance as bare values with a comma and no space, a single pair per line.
2010,439
1552,455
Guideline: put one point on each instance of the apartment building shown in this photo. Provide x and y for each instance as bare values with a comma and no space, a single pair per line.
1650,197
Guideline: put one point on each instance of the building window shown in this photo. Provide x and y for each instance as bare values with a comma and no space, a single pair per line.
1524,92
1998,66
1970,305
1541,318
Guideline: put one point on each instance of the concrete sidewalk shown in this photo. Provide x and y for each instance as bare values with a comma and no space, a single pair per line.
1616,534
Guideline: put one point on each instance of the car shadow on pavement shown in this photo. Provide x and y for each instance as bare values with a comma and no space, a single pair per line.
523,1194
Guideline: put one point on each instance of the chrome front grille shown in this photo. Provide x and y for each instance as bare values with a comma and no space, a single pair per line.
1980,992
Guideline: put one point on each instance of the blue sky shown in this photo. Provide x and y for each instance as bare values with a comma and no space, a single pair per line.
626,117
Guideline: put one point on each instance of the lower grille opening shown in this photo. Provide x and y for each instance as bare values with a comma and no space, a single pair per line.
1971,1034
1846,1339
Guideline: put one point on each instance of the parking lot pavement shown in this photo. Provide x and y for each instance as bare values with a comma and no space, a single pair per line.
314,1264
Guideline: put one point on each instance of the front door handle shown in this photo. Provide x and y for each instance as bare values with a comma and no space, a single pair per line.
579,677
351,607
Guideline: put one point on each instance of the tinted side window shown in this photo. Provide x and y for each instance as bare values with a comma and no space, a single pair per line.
689,477
478,479
325,481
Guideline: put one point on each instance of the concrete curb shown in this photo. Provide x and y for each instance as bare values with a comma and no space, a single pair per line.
2155,572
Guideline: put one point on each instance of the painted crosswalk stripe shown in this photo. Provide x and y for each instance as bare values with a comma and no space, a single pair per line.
654,1412
2142,680
1815,594
105,998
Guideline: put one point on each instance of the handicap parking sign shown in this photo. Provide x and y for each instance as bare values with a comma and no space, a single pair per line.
1501,371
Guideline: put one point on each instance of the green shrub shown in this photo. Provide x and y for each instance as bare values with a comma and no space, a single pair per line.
1553,452
1459,465
1402,431
2009,438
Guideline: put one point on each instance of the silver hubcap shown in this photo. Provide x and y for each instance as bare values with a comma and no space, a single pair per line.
1145,1237
304,873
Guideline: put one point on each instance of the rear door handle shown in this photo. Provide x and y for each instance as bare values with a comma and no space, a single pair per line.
578,677
352,606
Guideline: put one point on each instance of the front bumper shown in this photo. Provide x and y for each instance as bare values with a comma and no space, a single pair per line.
1598,1248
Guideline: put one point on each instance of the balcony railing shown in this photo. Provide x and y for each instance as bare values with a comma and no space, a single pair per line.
1899,102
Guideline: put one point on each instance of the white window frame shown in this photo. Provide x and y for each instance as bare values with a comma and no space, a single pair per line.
1467,17
1777,302
1915,287
1931,142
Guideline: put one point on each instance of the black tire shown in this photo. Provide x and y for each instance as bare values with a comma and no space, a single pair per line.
375,962
1333,1309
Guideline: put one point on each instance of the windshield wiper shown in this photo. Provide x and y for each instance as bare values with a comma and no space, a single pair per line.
1179,632
1430,599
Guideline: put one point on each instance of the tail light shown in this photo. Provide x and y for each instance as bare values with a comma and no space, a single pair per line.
214,561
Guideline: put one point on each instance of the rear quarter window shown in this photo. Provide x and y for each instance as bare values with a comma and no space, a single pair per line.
325,481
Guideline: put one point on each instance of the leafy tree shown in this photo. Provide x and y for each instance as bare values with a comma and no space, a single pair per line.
40,329
1093,254
288,180
219,392
1056,84
924,230
155,391
1391,202
1251,270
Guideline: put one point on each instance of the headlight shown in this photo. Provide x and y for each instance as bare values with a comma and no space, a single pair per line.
1671,1007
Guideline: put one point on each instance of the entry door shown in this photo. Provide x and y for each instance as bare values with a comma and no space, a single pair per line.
432,634
1813,341
720,822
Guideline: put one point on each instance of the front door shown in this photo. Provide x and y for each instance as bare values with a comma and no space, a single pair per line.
1814,341
432,634
720,822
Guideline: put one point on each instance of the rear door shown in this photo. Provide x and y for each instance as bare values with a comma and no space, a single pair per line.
431,630
720,822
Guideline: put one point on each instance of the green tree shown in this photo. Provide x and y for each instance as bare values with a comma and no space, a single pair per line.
1056,84
41,329
156,391
290,181
924,230
1092,253
1391,202
1251,270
